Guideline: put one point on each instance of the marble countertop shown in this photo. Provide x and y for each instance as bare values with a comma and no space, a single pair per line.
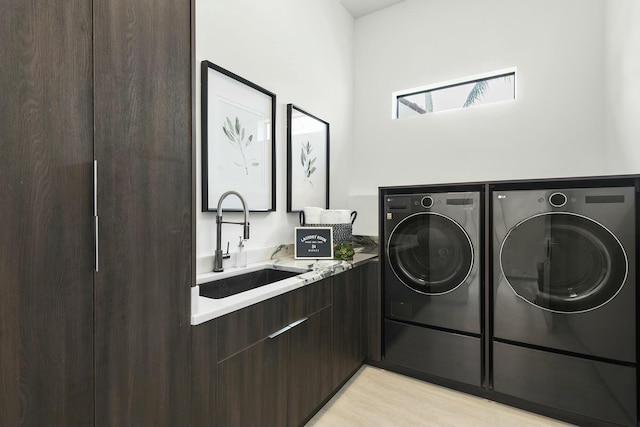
204,309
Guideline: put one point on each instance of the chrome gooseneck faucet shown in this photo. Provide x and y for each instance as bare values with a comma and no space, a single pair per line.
217,261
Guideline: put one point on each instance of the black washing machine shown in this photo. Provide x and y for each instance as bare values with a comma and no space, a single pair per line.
564,299
432,291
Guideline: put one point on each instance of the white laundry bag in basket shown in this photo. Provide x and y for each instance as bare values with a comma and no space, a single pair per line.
340,220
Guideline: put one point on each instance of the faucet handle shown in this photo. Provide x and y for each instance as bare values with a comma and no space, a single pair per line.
226,255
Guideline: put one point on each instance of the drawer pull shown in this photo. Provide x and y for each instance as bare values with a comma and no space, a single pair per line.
286,328
281,331
297,322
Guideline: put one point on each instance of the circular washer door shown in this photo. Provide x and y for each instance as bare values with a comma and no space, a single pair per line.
563,262
430,253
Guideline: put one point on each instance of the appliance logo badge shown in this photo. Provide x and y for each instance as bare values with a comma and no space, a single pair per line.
501,196
389,215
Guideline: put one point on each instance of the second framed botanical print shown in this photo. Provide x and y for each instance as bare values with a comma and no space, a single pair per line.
307,160
238,140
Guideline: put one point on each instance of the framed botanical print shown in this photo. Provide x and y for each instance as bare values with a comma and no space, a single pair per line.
238,140
307,160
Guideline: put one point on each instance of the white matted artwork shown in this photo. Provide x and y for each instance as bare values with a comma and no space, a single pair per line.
307,160
238,141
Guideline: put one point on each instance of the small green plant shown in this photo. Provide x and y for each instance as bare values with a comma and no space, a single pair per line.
236,135
343,251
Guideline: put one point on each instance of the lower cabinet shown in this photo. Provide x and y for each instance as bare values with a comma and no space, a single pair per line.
372,311
252,385
279,380
275,362
310,368
348,331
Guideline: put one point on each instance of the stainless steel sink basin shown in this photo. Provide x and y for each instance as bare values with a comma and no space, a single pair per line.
244,282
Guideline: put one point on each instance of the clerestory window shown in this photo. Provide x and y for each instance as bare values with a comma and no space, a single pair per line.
495,87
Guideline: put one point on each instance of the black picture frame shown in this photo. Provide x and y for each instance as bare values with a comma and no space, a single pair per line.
307,155
238,134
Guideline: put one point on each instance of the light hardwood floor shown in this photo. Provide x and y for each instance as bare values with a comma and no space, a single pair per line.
375,397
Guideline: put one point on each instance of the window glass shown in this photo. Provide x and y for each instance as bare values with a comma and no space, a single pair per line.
495,88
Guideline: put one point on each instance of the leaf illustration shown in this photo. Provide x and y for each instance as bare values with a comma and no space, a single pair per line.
236,136
306,161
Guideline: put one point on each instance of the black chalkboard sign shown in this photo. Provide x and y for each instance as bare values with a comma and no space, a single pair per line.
313,242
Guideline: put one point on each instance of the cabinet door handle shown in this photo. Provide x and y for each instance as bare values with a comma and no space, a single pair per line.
95,209
97,267
280,331
297,322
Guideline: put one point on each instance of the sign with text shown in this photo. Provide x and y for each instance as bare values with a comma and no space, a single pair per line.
313,242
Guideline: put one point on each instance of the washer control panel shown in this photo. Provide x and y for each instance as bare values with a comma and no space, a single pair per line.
403,204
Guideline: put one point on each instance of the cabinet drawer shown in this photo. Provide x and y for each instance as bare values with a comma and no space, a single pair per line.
310,299
245,327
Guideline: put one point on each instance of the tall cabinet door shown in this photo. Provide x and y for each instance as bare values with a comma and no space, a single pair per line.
46,237
143,147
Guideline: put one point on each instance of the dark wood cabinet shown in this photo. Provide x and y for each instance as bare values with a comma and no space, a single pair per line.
110,79
372,311
280,379
347,324
204,376
310,367
46,237
276,362
253,385
142,141
266,364
251,366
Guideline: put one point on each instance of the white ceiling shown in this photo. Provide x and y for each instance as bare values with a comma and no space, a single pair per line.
359,8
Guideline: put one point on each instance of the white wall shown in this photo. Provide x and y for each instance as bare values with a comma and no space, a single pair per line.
302,50
576,112
555,127
622,71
